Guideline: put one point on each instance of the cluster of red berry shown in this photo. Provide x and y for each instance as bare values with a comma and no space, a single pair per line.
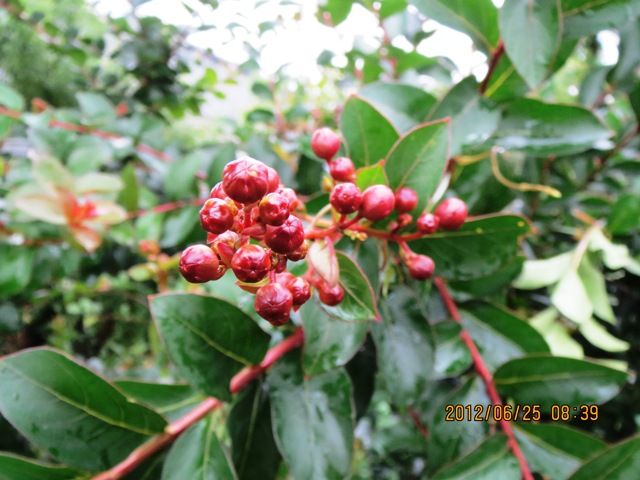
251,204
377,202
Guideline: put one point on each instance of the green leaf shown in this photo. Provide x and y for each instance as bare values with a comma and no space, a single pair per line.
492,459
11,98
96,108
555,450
624,217
598,336
452,356
198,454
500,335
14,467
371,175
16,268
405,347
480,248
418,159
208,339
542,273
596,288
505,83
329,342
89,154
473,121
59,405
531,32
547,380
359,303
312,420
449,440
584,17
255,454
571,298
180,181
172,401
478,18
367,133
130,193
405,105
98,182
542,129
338,10
618,461
556,334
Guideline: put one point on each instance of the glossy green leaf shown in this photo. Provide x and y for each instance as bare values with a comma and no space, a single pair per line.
542,129
418,159
531,33
624,217
478,19
208,339
405,346
500,335
505,82
172,401
492,459
255,454
59,405
452,356
371,175
546,380
480,248
312,420
198,454
367,133
473,120
584,17
14,467
405,105
555,450
359,303
329,342
620,461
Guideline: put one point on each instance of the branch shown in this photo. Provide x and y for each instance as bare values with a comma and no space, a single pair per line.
176,428
493,63
484,373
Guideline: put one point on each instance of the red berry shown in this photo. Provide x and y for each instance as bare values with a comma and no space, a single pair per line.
421,267
300,289
217,216
452,213
274,209
342,169
284,278
287,237
226,245
245,180
325,143
346,198
287,192
199,264
299,253
273,303
331,296
218,192
378,202
273,180
251,263
406,199
427,223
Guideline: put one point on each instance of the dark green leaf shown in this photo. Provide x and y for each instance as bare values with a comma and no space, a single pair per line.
14,467
505,83
59,405
584,17
404,105
15,269
478,18
198,454
312,420
542,129
452,356
473,120
418,158
625,215
208,339
329,342
172,401
620,461
492,459
481,247
500,335
531,32
555,450
255,454
405,347
547,380
367,133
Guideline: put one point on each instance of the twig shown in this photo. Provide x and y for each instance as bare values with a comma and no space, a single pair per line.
493,63
483,371
176,428
520,186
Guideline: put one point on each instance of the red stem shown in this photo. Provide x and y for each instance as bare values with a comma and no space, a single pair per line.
176,428
482,370
493,63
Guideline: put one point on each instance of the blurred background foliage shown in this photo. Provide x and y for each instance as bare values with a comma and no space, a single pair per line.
129,115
